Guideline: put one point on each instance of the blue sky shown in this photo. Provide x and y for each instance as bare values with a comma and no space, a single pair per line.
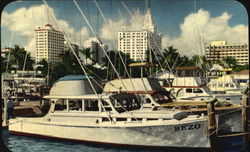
172,17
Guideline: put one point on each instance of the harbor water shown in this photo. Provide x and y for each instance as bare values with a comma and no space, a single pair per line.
29,144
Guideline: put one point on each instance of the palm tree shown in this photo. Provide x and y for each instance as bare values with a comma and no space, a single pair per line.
69,65
172,57
230,62
3,64
28,63
116,61
87,52
17,58
43,66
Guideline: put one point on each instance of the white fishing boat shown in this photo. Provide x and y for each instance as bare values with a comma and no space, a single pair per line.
222,81
193,88
114,119
241,78
110,119
154,97
224,84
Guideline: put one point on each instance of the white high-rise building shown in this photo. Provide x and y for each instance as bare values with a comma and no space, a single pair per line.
137,43
49,44
96,49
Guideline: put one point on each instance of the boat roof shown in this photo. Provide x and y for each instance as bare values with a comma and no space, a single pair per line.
74,77
87,96
242,72
188,68
90,96
141,64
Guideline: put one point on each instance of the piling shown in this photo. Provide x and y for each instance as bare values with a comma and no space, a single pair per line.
245,116
211,123
4,123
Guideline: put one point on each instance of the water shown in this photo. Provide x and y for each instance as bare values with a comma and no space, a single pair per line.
29,144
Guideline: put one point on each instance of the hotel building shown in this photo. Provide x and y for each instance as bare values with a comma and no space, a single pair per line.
49,44
137,43
217,50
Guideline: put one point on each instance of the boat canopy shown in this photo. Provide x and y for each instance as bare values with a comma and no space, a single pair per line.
133,85
187,81
75,85
74,77
142,64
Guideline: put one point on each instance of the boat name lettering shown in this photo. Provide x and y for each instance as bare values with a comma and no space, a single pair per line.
187,127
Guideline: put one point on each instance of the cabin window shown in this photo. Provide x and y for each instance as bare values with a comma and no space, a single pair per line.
125,104
135,102
231,85
136,119
121,119
106,106
214,84
189,90
220,85
75,105
198,91
61,105
161,97
166,83
148,100
91,105
226,85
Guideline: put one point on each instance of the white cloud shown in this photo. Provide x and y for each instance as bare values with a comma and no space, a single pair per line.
197,30
110,29
25,20
200,28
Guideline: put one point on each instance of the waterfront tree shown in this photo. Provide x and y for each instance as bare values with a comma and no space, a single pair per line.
87,53
17,59
229,62
43,66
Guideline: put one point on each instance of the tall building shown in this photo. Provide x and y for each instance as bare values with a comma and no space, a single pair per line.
49,44
137,43
217,50
96,49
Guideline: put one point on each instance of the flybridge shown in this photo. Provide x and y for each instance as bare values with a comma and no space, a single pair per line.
74,85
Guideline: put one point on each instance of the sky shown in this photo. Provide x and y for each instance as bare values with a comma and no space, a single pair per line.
187,25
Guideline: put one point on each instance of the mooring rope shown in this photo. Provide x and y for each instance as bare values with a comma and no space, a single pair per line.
13,122
235,134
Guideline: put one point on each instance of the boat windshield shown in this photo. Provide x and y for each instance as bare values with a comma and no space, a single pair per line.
125,103
161,97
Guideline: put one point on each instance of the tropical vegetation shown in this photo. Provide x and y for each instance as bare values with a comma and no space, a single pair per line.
19,59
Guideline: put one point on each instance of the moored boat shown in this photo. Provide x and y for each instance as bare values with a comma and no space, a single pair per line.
115,119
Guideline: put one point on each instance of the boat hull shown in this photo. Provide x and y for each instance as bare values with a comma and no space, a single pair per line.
189,135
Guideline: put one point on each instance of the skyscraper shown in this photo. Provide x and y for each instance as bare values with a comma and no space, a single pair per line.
49,44
137,43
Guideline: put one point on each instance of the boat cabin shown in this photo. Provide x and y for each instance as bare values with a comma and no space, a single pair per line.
116,103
